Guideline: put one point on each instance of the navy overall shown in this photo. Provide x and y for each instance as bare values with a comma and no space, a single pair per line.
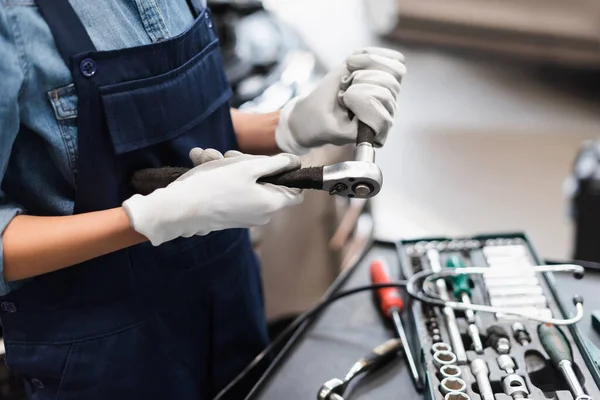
178,321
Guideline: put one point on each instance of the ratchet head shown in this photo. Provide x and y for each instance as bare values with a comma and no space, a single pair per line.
359,179
331,390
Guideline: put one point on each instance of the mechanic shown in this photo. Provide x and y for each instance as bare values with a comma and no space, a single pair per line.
107,294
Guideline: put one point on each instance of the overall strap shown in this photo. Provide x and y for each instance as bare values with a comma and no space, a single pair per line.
69,33
196,6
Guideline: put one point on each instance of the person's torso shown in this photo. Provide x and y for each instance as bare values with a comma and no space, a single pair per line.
44,157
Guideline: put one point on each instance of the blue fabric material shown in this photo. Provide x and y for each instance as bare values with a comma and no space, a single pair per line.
38,101
177,321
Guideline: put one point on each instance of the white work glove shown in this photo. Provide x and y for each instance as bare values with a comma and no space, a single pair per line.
365,88
219,193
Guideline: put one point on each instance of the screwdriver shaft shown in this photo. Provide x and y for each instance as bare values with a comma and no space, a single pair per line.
414,371
473,329
452,326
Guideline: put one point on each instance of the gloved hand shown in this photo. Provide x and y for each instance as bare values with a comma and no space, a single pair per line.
365,88
219,193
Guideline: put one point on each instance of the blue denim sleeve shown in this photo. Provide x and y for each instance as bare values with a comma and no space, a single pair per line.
10,85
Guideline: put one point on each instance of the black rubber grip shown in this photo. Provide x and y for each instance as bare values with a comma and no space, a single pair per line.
147,180
365,133
303,178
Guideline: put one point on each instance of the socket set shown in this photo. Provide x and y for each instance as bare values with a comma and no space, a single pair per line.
476,355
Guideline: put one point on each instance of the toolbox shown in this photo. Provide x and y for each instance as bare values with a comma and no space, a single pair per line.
503,357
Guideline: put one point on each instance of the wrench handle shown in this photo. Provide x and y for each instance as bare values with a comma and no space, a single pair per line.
145,181
366,134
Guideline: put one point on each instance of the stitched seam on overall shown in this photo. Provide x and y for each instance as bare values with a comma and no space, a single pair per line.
64,372
20,46
152,19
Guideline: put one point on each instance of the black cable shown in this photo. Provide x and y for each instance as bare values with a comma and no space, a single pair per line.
590,265
295,324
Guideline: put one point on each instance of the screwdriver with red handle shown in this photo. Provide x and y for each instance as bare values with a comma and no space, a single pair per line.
391,304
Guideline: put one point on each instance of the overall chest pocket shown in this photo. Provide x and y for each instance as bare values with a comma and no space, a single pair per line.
153,110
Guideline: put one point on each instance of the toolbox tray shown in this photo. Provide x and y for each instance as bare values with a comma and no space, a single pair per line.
546,380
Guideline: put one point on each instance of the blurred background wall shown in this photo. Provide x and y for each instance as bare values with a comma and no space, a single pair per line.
483,140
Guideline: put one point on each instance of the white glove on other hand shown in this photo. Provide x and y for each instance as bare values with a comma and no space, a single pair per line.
365,88
219,193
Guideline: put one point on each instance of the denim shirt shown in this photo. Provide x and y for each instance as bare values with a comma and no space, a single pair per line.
38,164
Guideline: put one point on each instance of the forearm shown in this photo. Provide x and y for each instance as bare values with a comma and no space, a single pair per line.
256,132
38,245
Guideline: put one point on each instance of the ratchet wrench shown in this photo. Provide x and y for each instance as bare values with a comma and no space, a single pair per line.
360,178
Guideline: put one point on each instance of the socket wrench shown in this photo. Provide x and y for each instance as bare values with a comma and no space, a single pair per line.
360,178
450,371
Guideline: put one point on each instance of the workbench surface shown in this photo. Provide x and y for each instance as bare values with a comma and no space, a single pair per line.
351,327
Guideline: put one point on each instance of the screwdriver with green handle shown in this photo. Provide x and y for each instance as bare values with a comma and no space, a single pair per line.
557,347
462,291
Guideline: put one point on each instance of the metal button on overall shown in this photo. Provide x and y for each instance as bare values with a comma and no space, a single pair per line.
88,67
8,306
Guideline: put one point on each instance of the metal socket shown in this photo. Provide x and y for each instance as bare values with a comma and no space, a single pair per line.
506,364
514,386
440,347
442,358
457,396
450,371
449,385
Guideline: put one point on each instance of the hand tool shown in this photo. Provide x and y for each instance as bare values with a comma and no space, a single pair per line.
514,386
481,372
506,363
442,358
457,396
557,347
451,325
520,333
420,287
498,339
360,178
452,385
462,291
440,347
392,305
380,355
450,371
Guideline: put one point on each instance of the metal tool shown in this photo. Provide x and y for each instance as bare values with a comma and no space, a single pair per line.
451,325
440,347
334,389
360,178
520,334
452,385
442,358
515,387
392,305
420,286
506,363
481,372
462,291
450,371
457,396
498,339
557,347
